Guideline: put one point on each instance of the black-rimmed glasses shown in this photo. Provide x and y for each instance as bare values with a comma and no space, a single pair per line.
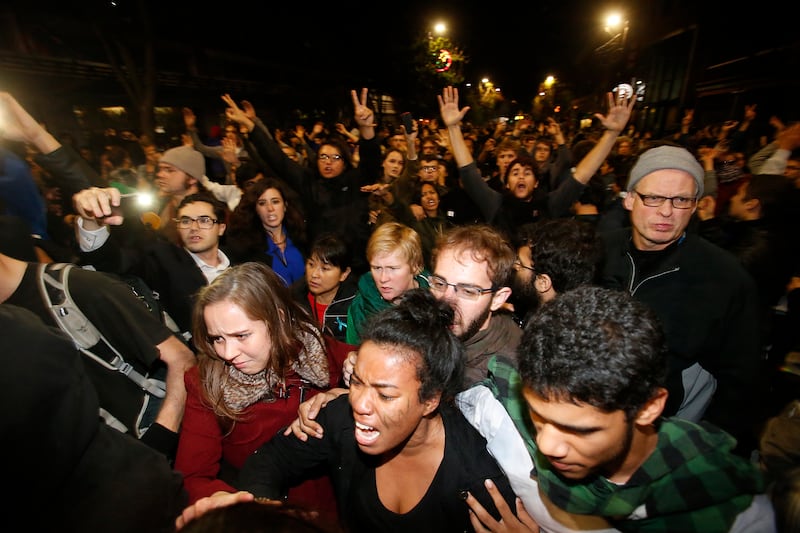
462,290
203,222
678,202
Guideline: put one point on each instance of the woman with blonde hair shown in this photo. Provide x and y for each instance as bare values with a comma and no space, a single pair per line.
396,264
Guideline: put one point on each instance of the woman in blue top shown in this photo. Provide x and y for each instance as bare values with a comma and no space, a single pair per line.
268,226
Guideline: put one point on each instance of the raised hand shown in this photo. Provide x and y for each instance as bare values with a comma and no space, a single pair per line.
18,124
189,118
249,110
448,107
363,114
236,114
619,112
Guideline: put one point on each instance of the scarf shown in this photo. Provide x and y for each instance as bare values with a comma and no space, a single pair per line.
691,482
243,390
501,337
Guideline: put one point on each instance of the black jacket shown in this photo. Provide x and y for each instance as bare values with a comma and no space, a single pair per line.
465,466
707,304
335,318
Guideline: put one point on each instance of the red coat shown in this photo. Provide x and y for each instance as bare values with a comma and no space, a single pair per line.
203,447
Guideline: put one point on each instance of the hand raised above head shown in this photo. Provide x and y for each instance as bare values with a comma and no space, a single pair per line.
448,107
362,113
189,118
619,112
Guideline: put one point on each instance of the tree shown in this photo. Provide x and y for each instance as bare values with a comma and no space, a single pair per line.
121,34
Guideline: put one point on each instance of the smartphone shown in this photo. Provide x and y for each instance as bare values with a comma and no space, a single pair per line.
408,121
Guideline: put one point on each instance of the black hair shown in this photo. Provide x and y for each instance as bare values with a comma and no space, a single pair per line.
565,249
596,346
420,324
220,209
332,249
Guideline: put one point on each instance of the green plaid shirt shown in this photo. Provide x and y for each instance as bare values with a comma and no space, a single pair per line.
506,385
691,482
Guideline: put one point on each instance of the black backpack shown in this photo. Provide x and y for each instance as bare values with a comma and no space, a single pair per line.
121,409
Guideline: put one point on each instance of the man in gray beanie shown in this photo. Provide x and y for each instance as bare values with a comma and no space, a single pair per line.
702,294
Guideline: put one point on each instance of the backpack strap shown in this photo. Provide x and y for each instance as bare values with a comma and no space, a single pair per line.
54,287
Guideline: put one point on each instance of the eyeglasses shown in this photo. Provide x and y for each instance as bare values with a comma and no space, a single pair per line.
430,169
678,202
328,157
467,292
203,222
518,264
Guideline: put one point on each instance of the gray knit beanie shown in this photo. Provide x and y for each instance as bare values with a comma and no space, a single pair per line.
187,159
666,157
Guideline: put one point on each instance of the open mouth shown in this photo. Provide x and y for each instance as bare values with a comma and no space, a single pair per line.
366,435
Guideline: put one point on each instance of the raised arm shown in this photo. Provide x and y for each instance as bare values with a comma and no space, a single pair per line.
619,112
452,117
365,118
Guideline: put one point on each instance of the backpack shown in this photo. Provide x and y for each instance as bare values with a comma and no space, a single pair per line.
123,410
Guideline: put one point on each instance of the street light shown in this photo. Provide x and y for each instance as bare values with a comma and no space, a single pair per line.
616,25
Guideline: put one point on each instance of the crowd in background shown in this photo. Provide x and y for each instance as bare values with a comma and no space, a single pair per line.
341,220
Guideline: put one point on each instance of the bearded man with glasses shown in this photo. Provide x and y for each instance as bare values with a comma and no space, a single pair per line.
701,293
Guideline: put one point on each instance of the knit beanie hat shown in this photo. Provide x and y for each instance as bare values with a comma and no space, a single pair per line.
666,157
187,159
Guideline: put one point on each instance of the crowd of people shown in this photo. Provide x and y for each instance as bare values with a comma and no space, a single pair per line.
435,325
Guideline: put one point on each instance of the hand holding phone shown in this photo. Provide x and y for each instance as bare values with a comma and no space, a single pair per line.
408,122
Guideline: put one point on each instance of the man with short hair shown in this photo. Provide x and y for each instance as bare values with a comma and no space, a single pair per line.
593,365
553,256
702,294
175,272
179,172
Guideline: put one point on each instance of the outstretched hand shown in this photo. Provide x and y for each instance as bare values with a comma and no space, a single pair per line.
215,501
448,107
619,112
